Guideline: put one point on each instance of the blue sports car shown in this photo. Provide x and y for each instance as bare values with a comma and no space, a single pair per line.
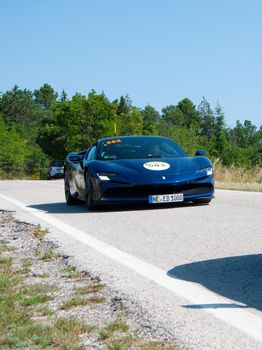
149,169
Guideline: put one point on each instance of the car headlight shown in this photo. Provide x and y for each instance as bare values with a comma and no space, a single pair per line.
205,171
107,176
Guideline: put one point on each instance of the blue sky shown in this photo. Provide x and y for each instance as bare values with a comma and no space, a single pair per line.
157,51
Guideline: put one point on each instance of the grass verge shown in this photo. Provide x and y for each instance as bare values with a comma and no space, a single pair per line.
74,302
18,300
71,273
237,178
93,288
39,232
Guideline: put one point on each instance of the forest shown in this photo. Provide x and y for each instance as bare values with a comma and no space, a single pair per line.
41,125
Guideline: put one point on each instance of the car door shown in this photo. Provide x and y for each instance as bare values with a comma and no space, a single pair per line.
79,175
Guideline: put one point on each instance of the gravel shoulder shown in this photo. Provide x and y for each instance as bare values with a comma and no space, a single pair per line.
70,294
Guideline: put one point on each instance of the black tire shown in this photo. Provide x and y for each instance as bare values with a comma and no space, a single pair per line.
202,201
89,195
70,200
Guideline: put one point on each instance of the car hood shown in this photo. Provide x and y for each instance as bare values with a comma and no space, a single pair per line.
152,169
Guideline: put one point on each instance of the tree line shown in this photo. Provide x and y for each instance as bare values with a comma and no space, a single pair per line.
37,126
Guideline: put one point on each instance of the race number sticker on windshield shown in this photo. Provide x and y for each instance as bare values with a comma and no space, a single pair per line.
156,166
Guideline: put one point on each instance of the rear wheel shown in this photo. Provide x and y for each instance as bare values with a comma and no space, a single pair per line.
70,200
202,201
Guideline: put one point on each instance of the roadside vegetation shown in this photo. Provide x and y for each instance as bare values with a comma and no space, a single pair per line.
37,126
238,178
59,310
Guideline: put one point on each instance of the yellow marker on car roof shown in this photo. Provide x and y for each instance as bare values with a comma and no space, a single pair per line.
113,141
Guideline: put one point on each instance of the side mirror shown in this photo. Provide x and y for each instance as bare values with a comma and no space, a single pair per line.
200,152
75,158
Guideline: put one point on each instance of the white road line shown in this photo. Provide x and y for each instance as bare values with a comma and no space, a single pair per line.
239,318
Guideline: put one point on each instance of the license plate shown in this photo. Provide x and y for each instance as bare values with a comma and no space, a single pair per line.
166,198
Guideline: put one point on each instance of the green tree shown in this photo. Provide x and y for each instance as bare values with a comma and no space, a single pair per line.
190,113
45,96
151,119
219,116
17,106
173,116
131,123
59,128
77,123
21,112
207,119
63,96
36,162
248,138
125,105
237,156
101,113
12,152
243,135
219,145
256,155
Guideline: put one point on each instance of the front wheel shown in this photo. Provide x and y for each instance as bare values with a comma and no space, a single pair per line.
202,201
89,195
70,200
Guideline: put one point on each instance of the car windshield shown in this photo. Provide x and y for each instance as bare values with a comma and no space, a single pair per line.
58,163
139,148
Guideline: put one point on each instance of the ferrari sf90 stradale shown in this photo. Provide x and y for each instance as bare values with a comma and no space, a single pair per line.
149,169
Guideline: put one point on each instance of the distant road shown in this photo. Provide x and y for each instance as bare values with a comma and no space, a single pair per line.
196,271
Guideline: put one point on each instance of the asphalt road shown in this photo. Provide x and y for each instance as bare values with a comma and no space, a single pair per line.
194,271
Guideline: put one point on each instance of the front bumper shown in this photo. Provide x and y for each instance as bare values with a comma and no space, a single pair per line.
108,192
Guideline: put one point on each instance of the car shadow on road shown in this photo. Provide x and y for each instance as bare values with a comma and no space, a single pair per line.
59,208
238,278
63,208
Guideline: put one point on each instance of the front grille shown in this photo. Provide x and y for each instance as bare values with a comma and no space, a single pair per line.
143,191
